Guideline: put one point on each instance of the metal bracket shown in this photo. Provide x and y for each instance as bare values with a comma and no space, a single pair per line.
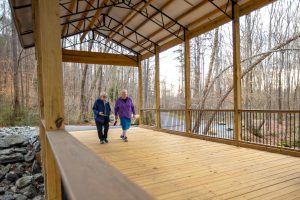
223,11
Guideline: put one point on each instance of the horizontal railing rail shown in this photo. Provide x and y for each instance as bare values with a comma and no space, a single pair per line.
86,176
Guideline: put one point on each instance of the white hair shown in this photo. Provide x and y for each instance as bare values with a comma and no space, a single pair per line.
103,94
124,91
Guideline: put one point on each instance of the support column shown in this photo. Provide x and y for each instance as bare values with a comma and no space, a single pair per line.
236,70
50,82
187,76
140,74
157,87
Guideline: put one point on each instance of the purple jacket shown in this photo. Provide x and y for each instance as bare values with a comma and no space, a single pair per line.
123,109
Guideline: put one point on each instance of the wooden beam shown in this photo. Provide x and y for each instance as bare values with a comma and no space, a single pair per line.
146,20
187,82
157,87
140,74
48,51
94,19
83,15
236,71
168,25
211,24
128,18
98,58
71,7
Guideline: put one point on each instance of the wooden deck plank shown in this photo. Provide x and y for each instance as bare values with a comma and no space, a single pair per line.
174,167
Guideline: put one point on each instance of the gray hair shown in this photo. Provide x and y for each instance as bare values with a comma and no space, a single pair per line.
124,91
103,94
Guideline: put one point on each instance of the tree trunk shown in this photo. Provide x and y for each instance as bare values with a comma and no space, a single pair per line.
83,100
16,100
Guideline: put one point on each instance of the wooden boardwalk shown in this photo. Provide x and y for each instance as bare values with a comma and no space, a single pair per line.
175,167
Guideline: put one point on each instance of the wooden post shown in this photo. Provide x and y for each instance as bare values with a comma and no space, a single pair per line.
157,87
140,73
49,56
236,71
187,82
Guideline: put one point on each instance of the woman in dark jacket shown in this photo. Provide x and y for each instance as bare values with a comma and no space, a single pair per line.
102,111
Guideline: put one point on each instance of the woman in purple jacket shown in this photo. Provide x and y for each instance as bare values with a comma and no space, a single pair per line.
124,108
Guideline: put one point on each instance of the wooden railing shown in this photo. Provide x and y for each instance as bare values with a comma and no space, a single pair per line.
265,129
149,116
213,123
85,176
172,119
273,128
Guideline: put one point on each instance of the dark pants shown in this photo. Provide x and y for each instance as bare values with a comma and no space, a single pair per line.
102,134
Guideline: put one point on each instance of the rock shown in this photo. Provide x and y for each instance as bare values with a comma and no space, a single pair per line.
4,171
21,197
40,197
6,151
14,189
24,181
36,168
11,176
38,178
20,150
12,158
8,197
2,190
37,146
29,156
11,140
41,188
20,167
29,191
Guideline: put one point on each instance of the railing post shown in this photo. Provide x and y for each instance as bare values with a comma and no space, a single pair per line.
50,83
236,70
187,82
157,87
140,74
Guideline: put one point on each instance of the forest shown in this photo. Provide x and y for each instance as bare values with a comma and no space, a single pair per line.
270,61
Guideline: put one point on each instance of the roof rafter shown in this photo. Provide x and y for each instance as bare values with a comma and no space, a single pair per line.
88,6
95,17
144,22
130,16
71,7
177,19
110,24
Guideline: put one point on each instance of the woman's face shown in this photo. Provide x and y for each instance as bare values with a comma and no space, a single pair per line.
124,94
103,98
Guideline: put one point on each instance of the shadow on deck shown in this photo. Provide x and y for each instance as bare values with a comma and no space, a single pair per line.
174,167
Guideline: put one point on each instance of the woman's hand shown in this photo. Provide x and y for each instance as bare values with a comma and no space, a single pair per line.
134,117
101,113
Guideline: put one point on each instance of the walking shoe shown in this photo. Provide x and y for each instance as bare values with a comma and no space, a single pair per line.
122,137
125,139
102,142
106,140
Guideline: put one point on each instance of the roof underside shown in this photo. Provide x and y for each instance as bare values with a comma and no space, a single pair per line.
137,25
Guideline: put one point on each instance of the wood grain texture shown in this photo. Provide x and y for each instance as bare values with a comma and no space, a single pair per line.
98,58
85,176
175,167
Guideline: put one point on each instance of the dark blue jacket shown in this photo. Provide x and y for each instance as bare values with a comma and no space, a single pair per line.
100,107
